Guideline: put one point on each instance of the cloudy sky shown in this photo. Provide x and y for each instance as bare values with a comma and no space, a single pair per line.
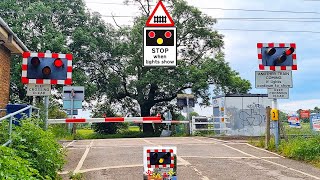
300,24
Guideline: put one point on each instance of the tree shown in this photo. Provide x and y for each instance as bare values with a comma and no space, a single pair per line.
47,25
122,79
108,60
105,110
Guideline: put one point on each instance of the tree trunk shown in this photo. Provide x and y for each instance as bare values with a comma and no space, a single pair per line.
147,127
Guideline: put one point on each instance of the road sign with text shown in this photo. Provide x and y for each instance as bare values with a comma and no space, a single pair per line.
278,93
273,79
39,90
160,39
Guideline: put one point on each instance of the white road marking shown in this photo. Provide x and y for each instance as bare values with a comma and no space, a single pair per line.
224,157
63,172
179,158
264,150
85,154
286,167
200,174
69,143
118,167
149,142
239,151
202,141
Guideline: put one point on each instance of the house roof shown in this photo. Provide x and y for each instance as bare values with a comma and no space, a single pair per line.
10,40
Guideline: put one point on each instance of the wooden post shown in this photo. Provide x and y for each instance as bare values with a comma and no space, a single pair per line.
268,109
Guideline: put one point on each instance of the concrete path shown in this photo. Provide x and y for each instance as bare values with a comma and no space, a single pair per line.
199,158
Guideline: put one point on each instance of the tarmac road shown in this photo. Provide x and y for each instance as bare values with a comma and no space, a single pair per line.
199,158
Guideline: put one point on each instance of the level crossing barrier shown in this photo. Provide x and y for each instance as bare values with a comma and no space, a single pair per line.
11,118
151,119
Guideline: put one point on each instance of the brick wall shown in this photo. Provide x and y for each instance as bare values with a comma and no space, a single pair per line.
4,76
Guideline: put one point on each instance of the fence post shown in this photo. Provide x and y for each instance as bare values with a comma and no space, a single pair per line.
10,127
268,109
30,111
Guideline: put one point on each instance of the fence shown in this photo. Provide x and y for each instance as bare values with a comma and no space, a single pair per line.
11,119
206,125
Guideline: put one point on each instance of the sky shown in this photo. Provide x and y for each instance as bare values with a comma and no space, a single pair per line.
241,37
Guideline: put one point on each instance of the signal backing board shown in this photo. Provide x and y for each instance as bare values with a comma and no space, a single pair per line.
160,162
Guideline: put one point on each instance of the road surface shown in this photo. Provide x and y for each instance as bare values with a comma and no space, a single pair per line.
199,158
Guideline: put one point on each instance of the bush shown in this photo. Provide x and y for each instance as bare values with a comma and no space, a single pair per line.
14,167
39,147
60,131
302,149
110,128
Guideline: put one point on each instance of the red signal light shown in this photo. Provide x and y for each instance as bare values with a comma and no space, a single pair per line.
58,63
152,34
289,51
35,61
167,34
46,71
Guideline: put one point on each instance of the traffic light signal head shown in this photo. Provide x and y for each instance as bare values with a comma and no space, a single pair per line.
46,68
277,56
160,158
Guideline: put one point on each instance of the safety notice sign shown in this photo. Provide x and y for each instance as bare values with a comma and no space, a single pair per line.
160,39
278,93
160,46
39,90
273,79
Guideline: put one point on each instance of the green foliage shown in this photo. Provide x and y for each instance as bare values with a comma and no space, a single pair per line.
13,167
38,147
204,133
108,61
105,110
89,134
60,131
302,149
77,176
304,130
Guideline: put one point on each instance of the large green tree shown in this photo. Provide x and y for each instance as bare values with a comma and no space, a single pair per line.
122,79
108,59
47,25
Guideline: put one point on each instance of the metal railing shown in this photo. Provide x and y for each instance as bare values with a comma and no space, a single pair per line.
11,116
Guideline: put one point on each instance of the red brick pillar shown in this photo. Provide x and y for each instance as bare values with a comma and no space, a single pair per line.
4,76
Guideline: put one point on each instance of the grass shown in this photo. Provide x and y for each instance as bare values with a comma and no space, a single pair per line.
305,129
132,132
298,148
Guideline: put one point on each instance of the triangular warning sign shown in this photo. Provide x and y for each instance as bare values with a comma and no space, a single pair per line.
160,17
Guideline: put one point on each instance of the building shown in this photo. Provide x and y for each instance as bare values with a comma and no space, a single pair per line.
9,44
240,114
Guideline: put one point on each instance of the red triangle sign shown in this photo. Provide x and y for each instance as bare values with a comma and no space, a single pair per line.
160,17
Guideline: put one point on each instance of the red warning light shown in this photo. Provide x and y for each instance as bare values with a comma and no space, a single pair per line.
289,51
152,34
58,63
167,34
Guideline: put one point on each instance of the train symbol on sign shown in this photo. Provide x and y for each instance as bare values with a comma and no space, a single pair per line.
160,38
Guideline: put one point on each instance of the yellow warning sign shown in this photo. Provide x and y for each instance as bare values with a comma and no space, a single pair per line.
274,115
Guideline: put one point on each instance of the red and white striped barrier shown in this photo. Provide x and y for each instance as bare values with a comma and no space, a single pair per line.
151,119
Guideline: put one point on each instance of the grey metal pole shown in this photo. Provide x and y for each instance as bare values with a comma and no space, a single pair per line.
46,101
188,119
10,127
30,112
276,124
71,110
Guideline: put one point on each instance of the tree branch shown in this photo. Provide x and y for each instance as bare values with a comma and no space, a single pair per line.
115,21
174,95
